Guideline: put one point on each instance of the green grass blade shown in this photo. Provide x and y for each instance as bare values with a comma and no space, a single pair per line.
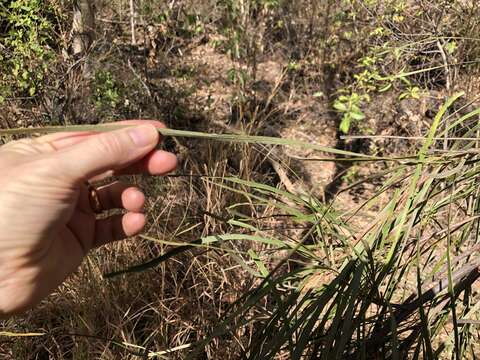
206,241
233,138
416,176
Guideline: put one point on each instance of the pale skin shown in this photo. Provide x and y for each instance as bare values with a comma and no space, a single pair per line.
47,225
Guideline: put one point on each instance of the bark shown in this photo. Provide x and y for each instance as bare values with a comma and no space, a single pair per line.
83,26
132,22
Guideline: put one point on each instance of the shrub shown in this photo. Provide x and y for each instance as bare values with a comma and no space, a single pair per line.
27,38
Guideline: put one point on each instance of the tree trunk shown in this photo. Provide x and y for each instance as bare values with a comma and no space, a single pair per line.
132,22
83,26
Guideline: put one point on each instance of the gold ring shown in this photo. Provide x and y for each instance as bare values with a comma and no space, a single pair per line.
94,199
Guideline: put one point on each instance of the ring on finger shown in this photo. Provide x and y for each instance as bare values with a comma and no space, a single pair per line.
94,199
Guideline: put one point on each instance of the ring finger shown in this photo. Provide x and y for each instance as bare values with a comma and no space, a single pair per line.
118,195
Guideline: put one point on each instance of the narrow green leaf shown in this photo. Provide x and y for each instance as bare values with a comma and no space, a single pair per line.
234,138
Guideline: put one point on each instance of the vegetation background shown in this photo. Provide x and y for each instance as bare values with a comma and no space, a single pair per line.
367,250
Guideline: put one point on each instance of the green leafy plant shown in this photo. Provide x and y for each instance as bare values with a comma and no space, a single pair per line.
349,107
237,76
412,92
106,91
27,36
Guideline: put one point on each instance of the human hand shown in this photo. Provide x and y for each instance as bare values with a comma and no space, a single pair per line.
47,224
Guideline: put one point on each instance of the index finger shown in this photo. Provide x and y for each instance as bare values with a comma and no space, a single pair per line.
65,139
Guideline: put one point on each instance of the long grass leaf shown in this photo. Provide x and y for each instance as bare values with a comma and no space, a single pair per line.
232,138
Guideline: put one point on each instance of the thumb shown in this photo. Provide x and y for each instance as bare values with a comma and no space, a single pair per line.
107,151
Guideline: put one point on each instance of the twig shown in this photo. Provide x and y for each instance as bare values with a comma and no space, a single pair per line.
132,22
445,65
139,78
447,86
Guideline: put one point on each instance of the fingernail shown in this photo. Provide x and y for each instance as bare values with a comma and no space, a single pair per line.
144,135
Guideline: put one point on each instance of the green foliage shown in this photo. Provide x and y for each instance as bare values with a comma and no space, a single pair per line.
294,66
451,47
106,91
341,306
26,35
412,92
381,63
351,175
349,107
237,77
